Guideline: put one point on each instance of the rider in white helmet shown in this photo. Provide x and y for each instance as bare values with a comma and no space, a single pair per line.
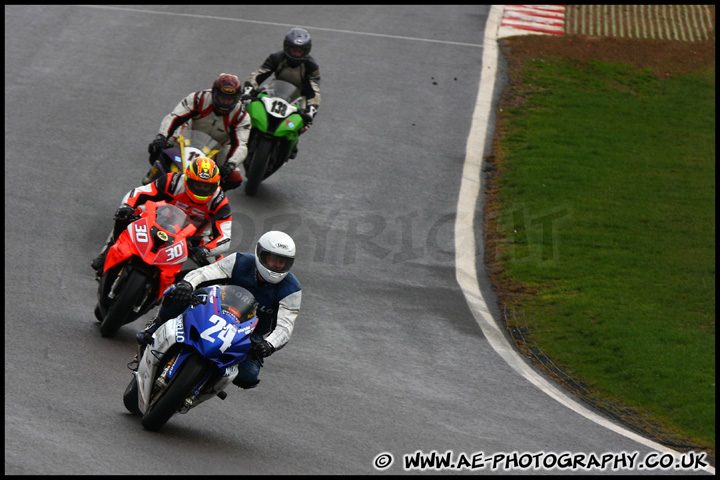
266,275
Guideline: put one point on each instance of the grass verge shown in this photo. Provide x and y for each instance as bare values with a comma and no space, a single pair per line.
604,209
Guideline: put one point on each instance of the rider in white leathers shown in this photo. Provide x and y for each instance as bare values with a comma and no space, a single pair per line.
218,113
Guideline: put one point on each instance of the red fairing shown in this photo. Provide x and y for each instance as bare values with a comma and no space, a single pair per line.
137,240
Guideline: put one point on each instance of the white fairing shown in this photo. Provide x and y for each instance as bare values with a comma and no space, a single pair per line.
277,107
166,336
191,153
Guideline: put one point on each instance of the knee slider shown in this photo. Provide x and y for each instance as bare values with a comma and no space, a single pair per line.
245,384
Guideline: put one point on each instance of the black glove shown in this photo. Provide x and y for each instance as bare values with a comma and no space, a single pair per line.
248,94
124,213
308,114
199,254
262,349
157,146
182,292
227,169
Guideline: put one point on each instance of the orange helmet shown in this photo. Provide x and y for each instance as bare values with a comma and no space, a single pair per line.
202,178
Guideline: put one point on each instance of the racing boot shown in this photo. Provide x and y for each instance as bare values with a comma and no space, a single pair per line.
98,263
135,362
145,336
293,154
245,384
150,175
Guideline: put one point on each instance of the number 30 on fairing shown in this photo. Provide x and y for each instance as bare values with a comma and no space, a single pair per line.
176,251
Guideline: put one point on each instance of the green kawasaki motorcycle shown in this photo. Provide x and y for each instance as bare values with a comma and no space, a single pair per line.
276,122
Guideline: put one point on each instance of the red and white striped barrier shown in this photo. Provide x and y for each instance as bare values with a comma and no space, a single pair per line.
532,19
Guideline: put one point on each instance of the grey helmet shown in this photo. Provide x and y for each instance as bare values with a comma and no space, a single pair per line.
274,244
297,45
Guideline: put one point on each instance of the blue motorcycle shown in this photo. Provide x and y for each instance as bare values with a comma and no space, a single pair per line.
194,356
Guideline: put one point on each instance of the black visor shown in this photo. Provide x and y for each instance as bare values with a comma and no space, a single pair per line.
201,189
225,101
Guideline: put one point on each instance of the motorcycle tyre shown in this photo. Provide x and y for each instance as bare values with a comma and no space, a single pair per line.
258,167
121,309
182,385
130,397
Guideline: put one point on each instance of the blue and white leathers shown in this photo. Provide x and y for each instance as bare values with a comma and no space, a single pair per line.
278,304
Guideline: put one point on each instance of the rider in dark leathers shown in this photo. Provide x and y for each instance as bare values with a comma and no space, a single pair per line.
295,65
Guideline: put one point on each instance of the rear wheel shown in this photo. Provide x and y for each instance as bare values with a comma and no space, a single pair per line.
182,385
260,160
121,310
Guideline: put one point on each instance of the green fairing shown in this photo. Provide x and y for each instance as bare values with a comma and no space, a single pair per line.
258,116
259,120
284,130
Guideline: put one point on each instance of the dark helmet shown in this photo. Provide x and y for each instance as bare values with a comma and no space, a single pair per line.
226,92
297,45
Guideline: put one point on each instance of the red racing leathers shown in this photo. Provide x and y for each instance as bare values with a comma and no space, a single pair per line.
214,217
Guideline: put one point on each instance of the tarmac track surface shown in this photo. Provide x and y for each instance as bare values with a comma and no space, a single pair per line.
386,356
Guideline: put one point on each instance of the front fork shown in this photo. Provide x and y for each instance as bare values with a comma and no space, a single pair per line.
120,280
164,379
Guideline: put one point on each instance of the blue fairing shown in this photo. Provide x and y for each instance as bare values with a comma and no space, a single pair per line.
217,335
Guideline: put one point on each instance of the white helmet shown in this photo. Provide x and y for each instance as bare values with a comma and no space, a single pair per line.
278,244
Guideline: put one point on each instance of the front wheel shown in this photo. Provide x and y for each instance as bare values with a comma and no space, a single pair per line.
258,166
182,385
121,310
130,397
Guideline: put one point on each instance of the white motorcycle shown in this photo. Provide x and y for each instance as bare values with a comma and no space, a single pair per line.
190,144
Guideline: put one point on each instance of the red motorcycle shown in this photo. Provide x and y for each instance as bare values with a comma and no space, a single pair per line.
142,264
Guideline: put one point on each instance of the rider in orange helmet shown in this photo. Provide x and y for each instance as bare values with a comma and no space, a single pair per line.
198,193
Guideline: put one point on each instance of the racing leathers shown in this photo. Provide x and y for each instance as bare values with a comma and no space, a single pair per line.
214,218
196,112
305,76
278,305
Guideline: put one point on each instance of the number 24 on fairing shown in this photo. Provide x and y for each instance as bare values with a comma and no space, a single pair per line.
227,332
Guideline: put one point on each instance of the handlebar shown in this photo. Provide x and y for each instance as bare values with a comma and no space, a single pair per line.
196,300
